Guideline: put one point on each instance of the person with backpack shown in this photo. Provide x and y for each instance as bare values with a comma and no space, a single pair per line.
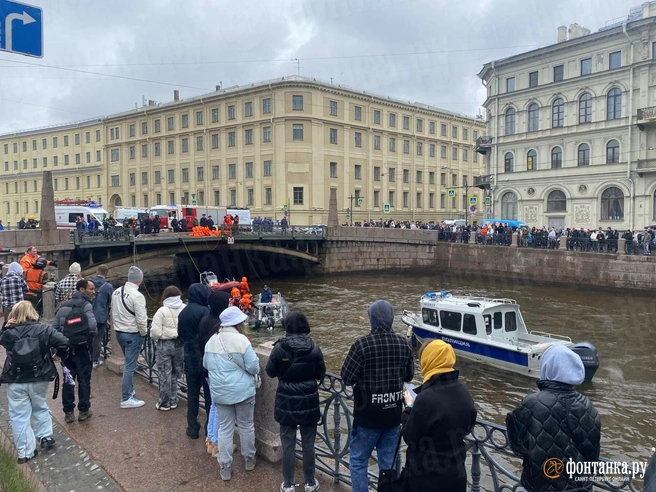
298,364
76,321
102,302
27,372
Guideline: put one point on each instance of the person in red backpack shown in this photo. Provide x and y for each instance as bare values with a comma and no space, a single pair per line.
75,319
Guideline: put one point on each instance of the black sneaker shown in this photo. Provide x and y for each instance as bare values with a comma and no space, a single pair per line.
20,461
47,443
192,433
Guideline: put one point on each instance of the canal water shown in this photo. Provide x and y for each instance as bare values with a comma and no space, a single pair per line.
620,324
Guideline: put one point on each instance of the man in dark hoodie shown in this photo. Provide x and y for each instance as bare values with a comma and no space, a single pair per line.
298,363
188,327
376,366
218,302
101,305
556,423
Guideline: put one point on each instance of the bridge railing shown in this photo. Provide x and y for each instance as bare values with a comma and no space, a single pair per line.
491,463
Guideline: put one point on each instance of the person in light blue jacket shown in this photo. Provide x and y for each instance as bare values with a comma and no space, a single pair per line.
232,365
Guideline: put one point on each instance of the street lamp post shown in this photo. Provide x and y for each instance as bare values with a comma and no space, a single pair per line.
351,198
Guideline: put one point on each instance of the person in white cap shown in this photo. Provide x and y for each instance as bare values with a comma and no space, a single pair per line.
130,322
232,365
66,286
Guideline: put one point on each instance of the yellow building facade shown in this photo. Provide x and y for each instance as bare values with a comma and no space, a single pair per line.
270,146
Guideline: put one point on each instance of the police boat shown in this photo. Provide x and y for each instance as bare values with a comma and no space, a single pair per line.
268,314
490,331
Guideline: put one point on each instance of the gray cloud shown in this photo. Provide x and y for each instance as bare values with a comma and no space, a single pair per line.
433,49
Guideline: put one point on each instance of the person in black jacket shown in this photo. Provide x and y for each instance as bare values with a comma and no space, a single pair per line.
436,423
188,325
298,363
650,475
556,423
28,371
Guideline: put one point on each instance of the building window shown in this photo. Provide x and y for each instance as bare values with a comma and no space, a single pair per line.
558,73
612,204
443,130
443,151
249,197
144,128
114,155
158,177
158,126
584,155
420,148
357,174
248,137
419,177
431,127
115,181
232,171
298,195
34,142
171,177
614,104
232,139
465,134
267,168
510,84
297,132
54,144
465,155
357,113
406,123
215,140
392,144
556,202
511,114
158,149
454,132
97,156
199,143
297,103
418,203
392,120
77,142
266,134
653,50
333,169
612,152
615,60
185,145
267,196
406,146
454,153
376,198
406,175
215,172
391,174
333,135
376,117
442,200
172,197
333,108
509,206
558,113
533,79
405,199
531,160
34,164
358,138
200,173
390,198
420,125
170,123
431,150
586,66
585,108
248,109
144,150
231,112
44,144
556,158
132,179
249,169
508,163
144,178
533,117
431,177
266,105
215,115
376,142
171,146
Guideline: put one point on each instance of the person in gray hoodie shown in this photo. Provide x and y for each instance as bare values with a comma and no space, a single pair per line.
101,306
556,423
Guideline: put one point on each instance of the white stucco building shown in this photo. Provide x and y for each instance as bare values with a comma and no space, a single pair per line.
571,128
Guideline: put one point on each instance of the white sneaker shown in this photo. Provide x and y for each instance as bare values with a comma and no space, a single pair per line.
312,487
132,403
291,488
98,363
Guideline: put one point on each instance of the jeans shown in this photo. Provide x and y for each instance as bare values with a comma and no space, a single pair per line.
131,344
213,425
242,414
363,442
26,401
79,363
288,438
194,383
169,370
97,341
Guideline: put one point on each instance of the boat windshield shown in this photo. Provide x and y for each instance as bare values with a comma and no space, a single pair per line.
522,325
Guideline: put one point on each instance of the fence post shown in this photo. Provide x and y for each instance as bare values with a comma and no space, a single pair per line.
476,468
337,418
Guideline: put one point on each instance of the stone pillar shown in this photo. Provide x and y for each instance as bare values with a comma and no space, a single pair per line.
48,301
472,237
621,246
267,430
116,361
47,222
333,219
563,242
515,240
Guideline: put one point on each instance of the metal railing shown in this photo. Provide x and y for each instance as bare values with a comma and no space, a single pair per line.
587,245
495,239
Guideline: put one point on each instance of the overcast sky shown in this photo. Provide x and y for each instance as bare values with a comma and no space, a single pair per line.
419,50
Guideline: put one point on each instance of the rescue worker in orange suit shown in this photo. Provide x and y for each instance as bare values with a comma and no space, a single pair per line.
35,277
236,296
245,303
243,286
30,257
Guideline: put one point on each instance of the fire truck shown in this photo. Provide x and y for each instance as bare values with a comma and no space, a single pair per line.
67,212
168,212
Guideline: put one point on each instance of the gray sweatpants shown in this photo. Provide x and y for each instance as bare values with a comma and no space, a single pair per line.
169,369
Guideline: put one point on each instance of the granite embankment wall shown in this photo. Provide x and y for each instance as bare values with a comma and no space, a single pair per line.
361,249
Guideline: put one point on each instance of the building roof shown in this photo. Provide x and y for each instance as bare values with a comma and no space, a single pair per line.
293,79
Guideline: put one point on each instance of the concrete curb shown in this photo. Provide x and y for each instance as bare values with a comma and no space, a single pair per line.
7,443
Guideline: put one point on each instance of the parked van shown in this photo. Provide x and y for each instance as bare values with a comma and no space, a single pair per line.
122,213
67,212
244,215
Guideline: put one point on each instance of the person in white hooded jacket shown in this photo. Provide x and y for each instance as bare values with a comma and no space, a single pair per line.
164,329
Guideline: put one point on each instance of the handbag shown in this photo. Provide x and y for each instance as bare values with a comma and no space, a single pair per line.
391,480
257,380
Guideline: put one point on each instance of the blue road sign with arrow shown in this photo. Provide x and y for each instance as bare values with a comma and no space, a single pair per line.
21,29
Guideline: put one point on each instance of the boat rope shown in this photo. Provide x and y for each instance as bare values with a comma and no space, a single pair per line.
191,257
253,267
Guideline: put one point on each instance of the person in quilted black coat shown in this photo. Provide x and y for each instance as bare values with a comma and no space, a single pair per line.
556,422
